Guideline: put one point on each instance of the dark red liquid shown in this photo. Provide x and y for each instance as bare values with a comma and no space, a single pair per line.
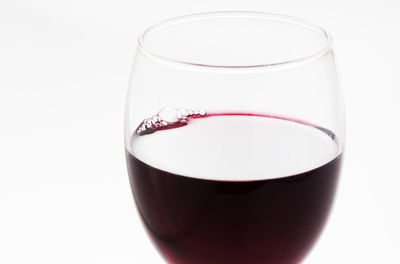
196,221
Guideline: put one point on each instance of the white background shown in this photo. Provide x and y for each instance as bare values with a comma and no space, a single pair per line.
64,68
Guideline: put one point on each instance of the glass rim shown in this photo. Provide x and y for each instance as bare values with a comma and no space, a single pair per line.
236,14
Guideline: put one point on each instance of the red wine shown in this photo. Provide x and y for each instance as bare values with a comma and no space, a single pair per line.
206,197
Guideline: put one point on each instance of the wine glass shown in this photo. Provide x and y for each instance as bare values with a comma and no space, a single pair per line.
234,133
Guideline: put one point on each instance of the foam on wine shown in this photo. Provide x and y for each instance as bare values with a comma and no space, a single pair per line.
236,148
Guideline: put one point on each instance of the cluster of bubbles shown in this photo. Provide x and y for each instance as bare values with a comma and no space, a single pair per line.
167,117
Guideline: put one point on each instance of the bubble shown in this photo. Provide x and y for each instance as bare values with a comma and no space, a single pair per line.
155,119
170,115
184,112
167,117
164,123
148,124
